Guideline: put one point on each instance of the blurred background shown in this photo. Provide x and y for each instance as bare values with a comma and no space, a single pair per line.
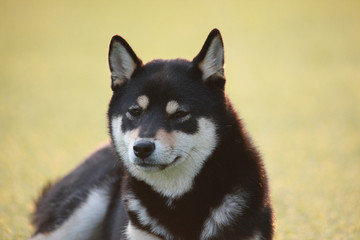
293,73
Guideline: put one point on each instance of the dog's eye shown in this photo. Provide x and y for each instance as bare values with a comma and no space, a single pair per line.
135,111
180,114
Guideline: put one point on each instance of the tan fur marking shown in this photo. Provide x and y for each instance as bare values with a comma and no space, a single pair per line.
133,134
166,138
143,101
172,106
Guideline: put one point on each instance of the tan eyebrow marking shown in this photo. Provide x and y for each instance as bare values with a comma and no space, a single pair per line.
143,101
172,106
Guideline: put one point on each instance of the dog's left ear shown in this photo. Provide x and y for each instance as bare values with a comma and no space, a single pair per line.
210,60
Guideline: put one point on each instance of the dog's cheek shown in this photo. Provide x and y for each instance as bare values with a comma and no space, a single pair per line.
116,131
119,136
200,144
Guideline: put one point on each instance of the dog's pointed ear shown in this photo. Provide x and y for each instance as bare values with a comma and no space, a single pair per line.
210,60
122,61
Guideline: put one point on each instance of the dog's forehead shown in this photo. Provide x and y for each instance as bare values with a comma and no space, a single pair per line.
165,80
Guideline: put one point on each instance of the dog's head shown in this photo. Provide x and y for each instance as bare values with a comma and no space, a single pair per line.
163,115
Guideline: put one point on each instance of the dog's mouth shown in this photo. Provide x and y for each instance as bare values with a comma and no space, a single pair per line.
154,166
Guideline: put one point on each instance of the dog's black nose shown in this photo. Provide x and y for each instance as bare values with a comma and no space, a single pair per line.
144,148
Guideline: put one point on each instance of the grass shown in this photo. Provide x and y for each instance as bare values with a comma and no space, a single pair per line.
293,71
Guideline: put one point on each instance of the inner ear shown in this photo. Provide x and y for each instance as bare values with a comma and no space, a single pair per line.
122,62
210,59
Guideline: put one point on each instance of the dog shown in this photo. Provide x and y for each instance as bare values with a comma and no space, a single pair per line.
180,164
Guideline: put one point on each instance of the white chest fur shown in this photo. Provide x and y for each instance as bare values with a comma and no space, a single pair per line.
134,233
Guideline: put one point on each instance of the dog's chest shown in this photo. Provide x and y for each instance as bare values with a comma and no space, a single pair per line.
134,233
205,224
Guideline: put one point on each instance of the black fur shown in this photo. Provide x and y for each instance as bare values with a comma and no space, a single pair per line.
234,164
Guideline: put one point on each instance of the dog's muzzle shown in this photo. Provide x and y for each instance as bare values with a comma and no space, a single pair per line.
146,159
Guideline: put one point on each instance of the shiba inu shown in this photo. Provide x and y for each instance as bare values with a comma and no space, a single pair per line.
179,166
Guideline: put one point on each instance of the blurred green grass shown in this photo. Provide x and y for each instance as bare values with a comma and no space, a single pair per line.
293,71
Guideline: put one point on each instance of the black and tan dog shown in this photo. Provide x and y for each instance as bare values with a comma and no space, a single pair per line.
180,164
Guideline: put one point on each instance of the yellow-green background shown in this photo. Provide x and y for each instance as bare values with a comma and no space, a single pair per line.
293,71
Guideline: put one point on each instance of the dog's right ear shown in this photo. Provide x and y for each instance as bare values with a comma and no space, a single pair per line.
122,61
